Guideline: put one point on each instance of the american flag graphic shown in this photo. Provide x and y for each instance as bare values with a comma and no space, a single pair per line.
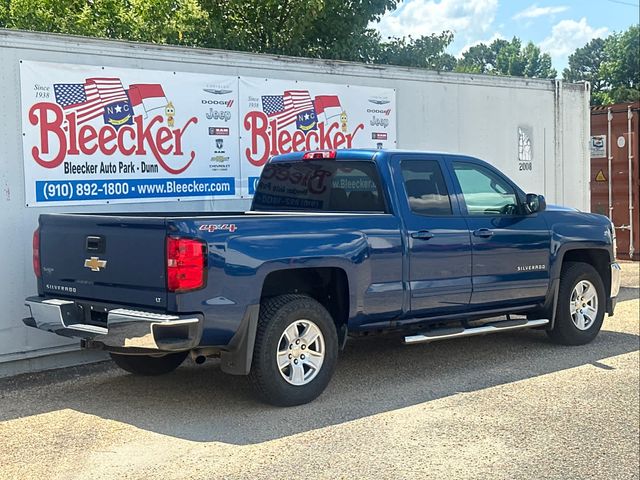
285,108
87,100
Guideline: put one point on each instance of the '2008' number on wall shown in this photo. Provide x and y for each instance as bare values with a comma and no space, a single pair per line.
525,166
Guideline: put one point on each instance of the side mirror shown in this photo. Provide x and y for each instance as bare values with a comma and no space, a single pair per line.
535,203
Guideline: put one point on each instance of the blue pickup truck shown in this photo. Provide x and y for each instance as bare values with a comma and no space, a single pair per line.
337,244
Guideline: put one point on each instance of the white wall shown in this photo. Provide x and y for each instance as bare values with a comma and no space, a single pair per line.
471,114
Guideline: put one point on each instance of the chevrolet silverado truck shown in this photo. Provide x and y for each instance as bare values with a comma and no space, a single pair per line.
337,244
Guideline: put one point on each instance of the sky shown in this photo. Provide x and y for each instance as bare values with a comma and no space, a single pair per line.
558,27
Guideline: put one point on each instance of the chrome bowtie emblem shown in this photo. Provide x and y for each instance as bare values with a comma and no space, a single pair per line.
95,264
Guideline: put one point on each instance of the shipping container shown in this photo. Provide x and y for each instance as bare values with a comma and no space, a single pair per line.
615,133
535,130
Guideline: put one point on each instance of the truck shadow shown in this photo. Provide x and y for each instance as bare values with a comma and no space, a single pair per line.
200,403
628,293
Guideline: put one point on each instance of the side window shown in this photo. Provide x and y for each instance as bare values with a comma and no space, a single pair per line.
425,187
484,192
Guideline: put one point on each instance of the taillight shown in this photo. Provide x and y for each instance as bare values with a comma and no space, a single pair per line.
36,253
319,154
186,260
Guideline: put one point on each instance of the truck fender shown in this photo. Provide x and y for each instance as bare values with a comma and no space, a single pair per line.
237,358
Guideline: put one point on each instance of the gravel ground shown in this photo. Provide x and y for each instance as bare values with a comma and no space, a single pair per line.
509,406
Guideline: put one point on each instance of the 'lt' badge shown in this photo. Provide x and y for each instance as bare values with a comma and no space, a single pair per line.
95,264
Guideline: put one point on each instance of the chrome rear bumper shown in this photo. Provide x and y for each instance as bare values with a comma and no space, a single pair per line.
125,328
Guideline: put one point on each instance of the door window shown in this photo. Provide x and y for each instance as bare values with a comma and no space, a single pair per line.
484,192
425,187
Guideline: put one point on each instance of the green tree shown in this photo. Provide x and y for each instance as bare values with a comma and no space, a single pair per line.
4,12
425,52
536,63
331,29
340,29
479,58
584,64
503,57
262,26
620,69
611,65
161,21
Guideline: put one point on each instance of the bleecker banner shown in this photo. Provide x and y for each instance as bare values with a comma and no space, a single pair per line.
282,116
99,134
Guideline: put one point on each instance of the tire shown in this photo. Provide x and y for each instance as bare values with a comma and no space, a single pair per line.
283,321
569,329
148,365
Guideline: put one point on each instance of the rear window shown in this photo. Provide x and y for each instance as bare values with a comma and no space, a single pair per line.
320,185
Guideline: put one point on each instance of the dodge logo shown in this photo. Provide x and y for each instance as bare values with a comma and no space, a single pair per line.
95,264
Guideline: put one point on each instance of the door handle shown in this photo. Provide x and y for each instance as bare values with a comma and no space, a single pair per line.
483,232
422,235
95,244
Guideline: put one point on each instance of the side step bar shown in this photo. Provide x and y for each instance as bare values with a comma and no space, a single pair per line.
494,327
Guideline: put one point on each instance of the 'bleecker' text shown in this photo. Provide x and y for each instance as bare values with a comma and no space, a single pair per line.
128,140
267,139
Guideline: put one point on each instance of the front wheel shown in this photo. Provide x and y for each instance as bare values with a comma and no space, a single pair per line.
147,364
295,352
581,305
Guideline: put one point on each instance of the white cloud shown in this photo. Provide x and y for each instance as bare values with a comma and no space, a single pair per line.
534,11
468,19
567,35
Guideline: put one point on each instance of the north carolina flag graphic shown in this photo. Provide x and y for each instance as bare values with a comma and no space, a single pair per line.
327,105
148,95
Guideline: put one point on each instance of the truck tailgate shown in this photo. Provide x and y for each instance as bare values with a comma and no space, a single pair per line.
104,258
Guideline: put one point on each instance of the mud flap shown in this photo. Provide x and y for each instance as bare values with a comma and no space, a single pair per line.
237,359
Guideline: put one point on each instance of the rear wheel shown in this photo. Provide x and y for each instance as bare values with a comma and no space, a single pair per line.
581,304
149,365
296,350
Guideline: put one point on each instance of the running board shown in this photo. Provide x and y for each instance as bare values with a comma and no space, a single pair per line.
447,333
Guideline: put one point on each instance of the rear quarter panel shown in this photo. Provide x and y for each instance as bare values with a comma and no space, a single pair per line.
241,255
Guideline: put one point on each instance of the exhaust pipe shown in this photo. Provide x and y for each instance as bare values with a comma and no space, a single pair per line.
197,356
200,355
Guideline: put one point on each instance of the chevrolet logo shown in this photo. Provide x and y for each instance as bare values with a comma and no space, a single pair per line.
95,264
